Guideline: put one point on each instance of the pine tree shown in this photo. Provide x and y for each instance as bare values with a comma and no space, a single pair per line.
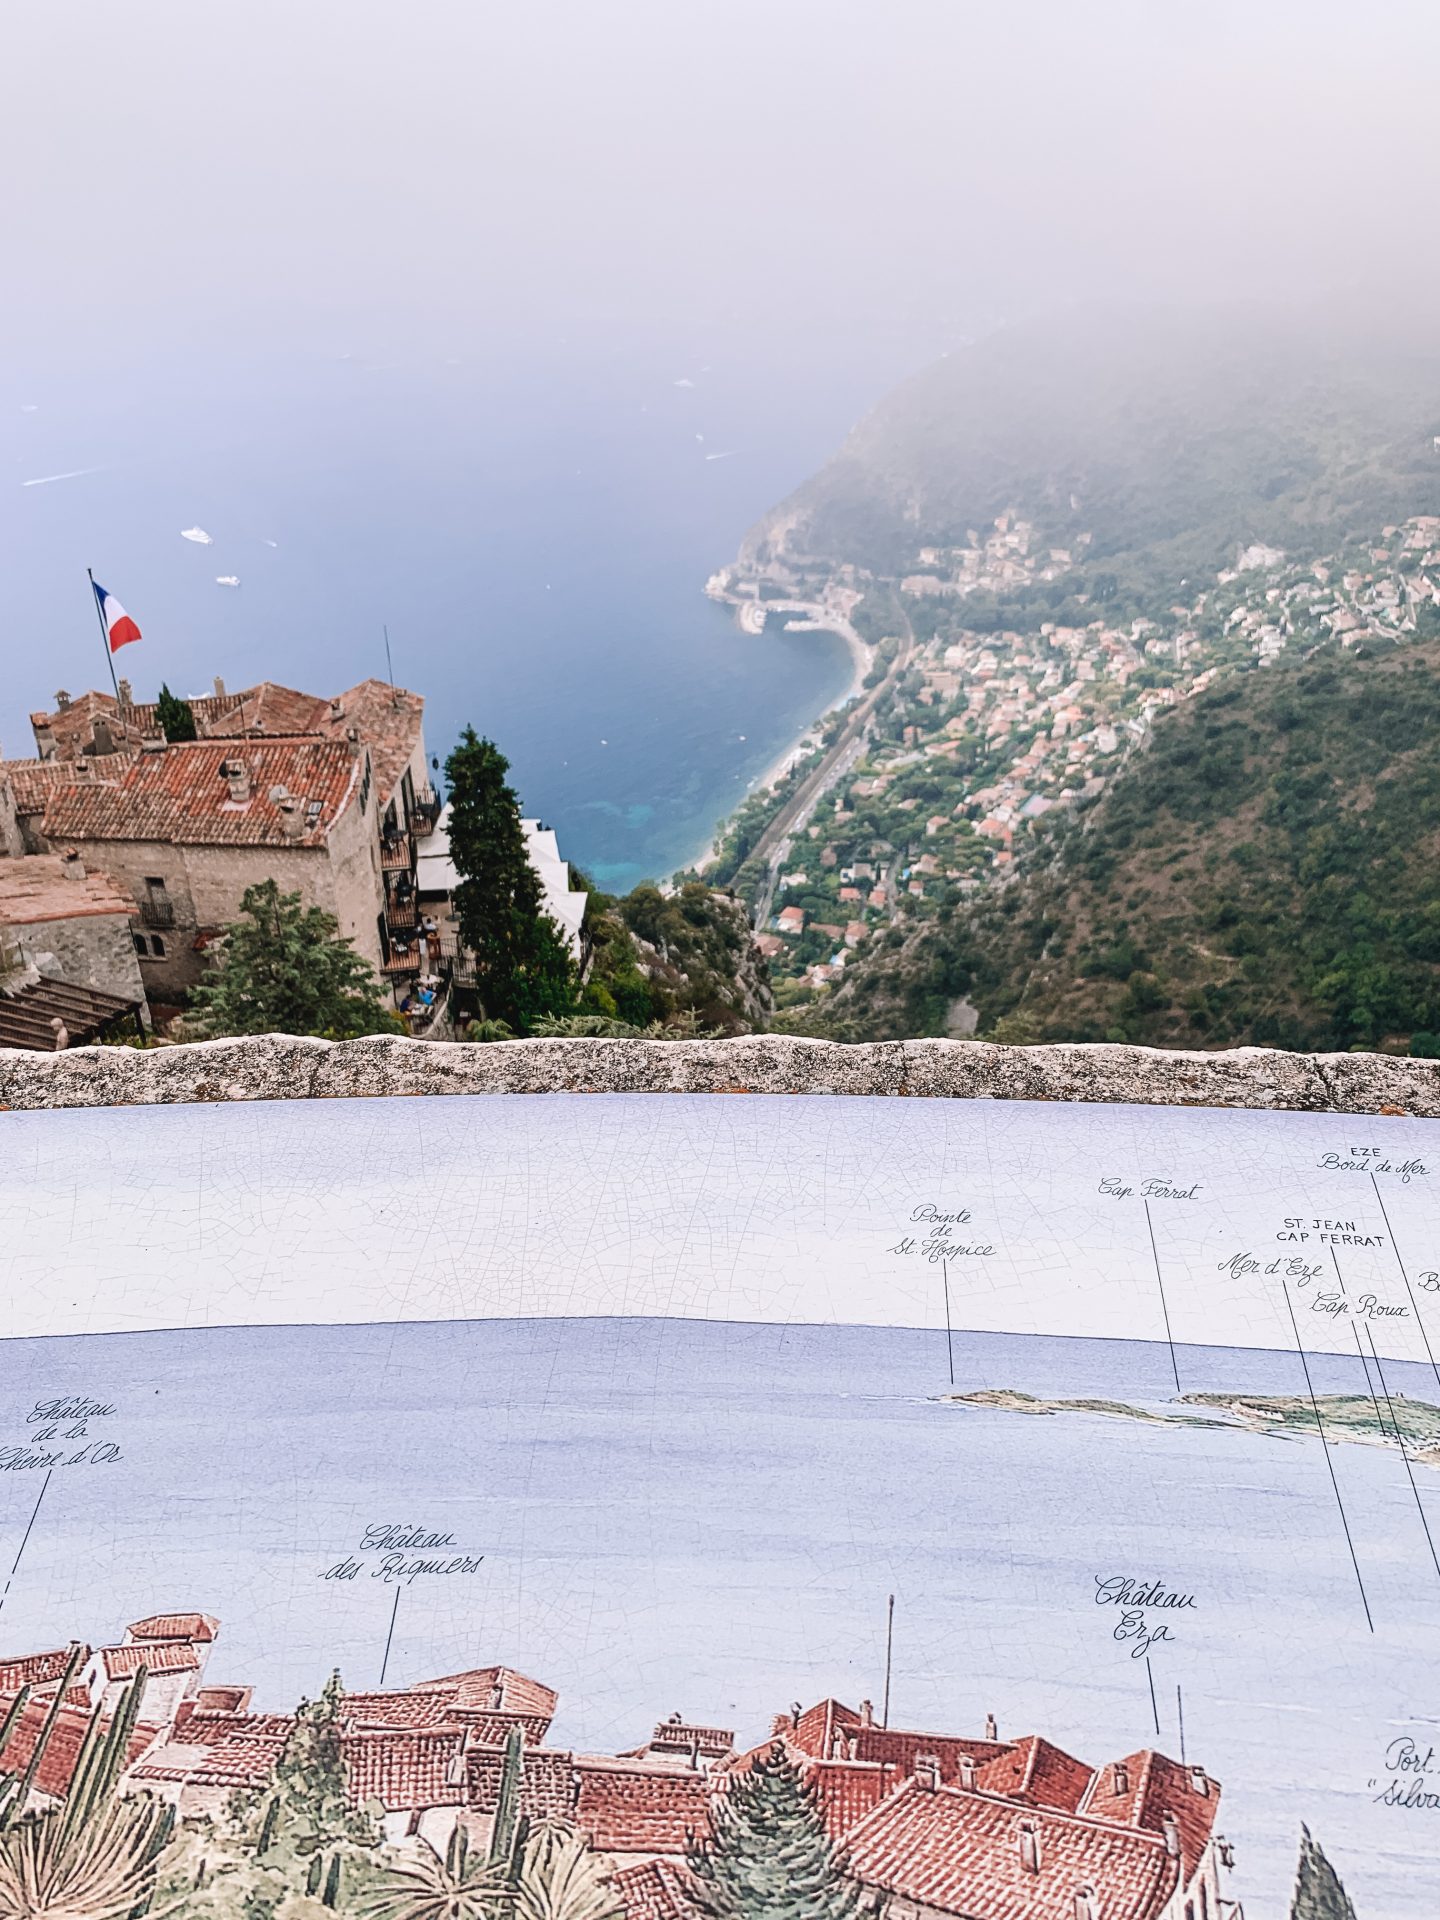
285,969
176,716
522,968
1318,1892
770,1857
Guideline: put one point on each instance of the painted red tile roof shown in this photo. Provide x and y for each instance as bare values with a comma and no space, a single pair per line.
40,887
160,1656
495,1690
960,1853
181,795
415,1707
627,1807
657,1890
228,1763
38,1669
204,1728
846,1790
404,1770
1035,1771
1157,1785
548,1782
174,1626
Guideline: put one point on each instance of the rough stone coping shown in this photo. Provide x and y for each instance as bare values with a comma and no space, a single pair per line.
285,1067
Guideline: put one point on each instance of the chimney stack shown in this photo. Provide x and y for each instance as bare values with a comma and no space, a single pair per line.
104,741
72,865
1029,1846
237,778
927,1772
867,1713
967,1772
1170,1827
1122,1777
219,688
62,700
126,698
992,1732
1200,1781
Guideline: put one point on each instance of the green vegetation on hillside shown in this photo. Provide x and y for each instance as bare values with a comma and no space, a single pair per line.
1264,870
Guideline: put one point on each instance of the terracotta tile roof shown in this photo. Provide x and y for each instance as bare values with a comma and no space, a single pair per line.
415,1707
211,1729
408,1769
31,782
1155,1785
174,1626
1035,1771
41,886
37,1669
389,720
227,1763
657,1890
182,796
846,1790
269,708
681,1736
548,1784
625,1806
495,1690
161,1656
961,1854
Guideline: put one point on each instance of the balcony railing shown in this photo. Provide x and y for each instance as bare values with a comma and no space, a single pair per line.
397,855
402,913
157,913
427,807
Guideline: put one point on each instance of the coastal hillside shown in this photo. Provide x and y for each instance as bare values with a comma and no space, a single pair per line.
1162,443
1264,869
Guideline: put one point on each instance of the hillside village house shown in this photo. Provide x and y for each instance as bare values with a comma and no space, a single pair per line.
933,1826
326,796
68,966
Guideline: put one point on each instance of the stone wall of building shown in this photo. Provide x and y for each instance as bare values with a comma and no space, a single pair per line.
93,950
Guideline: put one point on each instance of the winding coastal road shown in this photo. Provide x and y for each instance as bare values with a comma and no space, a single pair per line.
848,748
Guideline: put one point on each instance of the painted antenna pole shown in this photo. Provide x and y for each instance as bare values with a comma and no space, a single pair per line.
104,635
889,1658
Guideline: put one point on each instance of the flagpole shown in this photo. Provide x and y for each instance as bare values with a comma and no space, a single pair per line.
104,635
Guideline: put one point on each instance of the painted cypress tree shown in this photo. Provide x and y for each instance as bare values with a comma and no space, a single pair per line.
176,716
522,969
1318,1892
310,1781
770,1857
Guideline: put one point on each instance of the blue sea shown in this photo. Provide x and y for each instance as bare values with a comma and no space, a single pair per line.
533,525
708,1518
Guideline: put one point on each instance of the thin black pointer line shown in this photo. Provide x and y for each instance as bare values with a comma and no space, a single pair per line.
26,1540
1160,1283
1409,1470
949,1342
1369,1385
1154,1707
1414,1305
1329,1463
390,1635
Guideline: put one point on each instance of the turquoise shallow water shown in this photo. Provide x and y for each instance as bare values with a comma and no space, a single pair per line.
708,1517
534,529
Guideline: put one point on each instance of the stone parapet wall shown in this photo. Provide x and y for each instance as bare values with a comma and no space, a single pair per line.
284,1067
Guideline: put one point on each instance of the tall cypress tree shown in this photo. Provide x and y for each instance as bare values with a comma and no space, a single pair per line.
522,968
770,1857
176,716
1318,1892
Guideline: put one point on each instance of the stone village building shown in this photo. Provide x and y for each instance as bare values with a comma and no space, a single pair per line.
326,796
931,1826
68,963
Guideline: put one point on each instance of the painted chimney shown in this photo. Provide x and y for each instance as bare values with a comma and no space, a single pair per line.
967,1772
1122,1777
1029,1846
237,778
867,1713
927,1772
1170,1828
1087,1904
992,1732
1200,1781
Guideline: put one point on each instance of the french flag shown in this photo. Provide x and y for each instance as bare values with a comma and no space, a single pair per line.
120,629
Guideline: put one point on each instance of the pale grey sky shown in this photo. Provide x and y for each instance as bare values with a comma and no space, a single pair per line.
298,168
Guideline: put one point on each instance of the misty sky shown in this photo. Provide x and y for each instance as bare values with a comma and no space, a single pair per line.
859,176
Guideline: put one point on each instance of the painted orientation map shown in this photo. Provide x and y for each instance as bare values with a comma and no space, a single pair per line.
686,1508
